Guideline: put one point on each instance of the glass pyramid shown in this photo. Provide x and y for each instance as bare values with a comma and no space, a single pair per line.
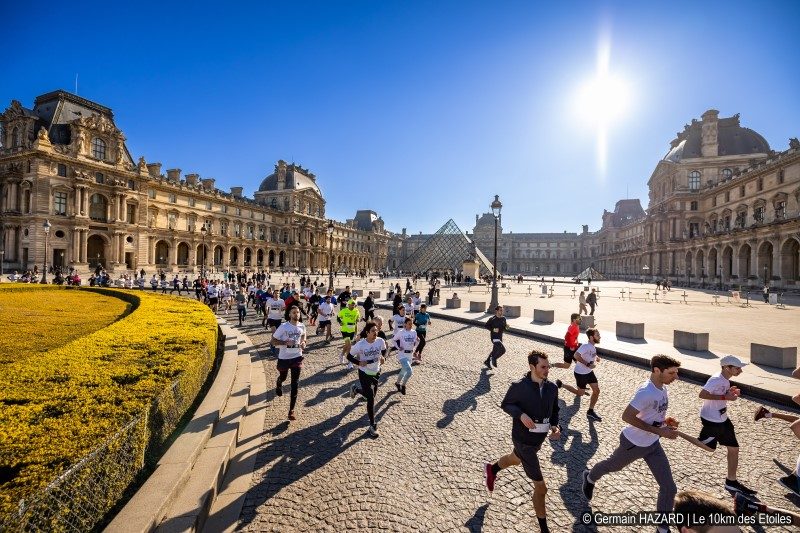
445,250
590,273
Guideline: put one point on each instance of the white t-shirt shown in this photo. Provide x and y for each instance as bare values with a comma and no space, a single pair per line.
288,331
416,302
397,322
276,307
409,308
407,339
370,353
251,289
212,291
588,353
716,384
325,311
652,403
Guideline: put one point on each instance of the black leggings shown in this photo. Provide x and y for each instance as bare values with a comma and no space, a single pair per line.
295,382
497,351
422,341
369,314
368,389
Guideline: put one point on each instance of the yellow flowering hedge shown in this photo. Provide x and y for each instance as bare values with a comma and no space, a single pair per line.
58,406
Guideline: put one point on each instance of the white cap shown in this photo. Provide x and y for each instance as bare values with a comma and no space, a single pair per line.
732,360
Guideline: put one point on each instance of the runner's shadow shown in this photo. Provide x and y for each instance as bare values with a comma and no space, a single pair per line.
467,401
575,457
475,523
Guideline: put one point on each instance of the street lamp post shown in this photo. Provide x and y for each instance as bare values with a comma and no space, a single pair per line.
720,277
330,254
203,231
46,236
496,207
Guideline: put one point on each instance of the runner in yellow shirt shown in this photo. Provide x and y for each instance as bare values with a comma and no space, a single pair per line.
348,319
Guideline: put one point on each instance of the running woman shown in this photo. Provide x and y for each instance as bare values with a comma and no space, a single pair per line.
532,403
397,321
368,355
325,316
717,427
241,305
290,337
408,307
422,320
496,326
586,360
406,344
646,417
348,320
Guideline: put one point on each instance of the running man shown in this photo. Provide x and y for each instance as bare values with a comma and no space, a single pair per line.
717,427
325,316
496,325
397,321
275,307
348,320
406,345
646,417
532,403
368,354
586,360
290,337
570,345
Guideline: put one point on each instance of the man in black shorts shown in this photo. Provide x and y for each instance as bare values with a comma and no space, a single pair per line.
532,403
586,360
496,326
717,427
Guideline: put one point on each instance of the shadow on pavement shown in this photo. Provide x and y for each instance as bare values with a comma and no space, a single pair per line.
475,523
467,401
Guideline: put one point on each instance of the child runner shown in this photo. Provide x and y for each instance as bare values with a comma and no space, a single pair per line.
422,320
406,344
532,403
368,354
290,337
646,417
717,427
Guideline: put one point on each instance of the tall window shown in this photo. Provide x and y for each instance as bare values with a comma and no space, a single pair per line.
727,196
760,184
208,206
173,198
151,193
693,206
191,202
758,214
62,170
60,203
223,228
780,210
98,207
14,137
727,173
131,212
694,180
99,178
172,220
694,229
237,229
132,185
98,148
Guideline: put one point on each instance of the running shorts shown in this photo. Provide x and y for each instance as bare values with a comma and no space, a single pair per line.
583,380
714,433
569,355
212,301
273,322
286,364
348,334
323,323
527,453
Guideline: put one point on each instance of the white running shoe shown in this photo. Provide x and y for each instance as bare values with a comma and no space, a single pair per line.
373,431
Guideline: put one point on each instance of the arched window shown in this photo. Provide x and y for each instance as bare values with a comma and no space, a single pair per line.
15,137
727,173
694,180
98,148
98,207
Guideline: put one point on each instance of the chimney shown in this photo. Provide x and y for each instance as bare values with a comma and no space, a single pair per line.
174,174
154,169
191,179
586,228
236,192
280,174
709,146
208,183
404,231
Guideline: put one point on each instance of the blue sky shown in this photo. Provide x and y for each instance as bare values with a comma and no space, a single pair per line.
422,111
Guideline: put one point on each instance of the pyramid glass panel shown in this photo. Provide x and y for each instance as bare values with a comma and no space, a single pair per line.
446,249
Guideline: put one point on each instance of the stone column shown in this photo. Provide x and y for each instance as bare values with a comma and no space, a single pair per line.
76,201
173,252
84,201
776,261
754,258
151,250
121,245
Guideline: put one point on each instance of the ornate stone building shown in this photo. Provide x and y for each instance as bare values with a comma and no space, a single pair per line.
724,208
66,162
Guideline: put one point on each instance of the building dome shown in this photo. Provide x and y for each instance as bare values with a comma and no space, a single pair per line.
732,139
295,178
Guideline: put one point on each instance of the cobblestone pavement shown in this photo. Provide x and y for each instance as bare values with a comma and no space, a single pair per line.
424,473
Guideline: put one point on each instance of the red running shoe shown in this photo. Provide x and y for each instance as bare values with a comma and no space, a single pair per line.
489,476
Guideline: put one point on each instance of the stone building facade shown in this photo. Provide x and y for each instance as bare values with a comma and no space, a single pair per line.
66,162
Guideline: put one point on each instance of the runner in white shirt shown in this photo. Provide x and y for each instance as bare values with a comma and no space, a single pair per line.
407,341
416,301
717,427
227,297
275,308
408,308
585,361
398,320
326,311
647,421
368,354
290,337
213,295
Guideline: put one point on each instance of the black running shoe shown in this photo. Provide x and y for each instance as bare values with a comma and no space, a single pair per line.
742,505
487,364
352,391
735,486
791,482
403,390
761,413
591,415
588,486
279,390
399,387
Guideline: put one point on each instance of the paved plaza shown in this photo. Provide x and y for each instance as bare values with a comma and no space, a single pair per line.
424,473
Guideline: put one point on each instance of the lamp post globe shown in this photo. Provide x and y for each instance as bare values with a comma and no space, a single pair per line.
330,229
496,206
46,227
